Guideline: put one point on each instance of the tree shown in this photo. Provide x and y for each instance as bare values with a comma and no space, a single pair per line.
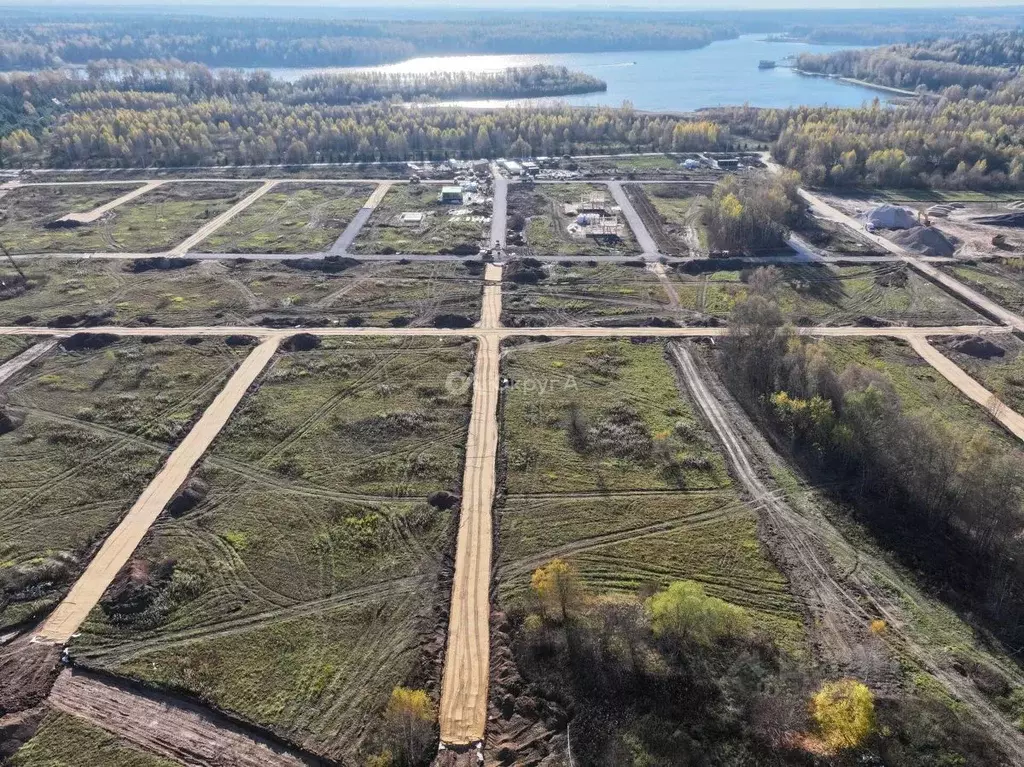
844,712
409,725
685,613
557,587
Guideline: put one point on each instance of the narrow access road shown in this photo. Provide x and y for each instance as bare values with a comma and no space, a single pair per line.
118,547
344,242
972,297
97,213
658,269
1010,419
171,727
464,686
26,358
643,237
223,218
499,213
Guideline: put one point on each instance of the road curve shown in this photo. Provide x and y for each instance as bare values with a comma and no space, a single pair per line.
118,547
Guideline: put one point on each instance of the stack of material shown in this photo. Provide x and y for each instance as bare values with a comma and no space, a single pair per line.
1015,219
891,217
926,240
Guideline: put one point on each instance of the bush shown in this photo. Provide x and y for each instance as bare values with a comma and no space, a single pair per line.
844,712
684,612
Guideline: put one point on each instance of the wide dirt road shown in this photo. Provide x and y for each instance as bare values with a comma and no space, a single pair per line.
116,550
463,715
223,218
643,237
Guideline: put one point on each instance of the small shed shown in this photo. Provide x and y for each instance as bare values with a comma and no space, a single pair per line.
412,218
451,195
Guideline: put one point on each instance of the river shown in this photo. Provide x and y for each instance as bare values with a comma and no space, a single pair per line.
723,73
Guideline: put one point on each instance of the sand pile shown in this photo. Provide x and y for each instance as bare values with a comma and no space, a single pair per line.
926,240
891,217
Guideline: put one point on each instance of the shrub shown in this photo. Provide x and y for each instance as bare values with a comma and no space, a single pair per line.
844,712
683,611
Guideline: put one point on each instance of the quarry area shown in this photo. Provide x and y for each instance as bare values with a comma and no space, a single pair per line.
289,465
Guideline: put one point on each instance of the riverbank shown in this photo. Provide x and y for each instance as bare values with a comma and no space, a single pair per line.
862,83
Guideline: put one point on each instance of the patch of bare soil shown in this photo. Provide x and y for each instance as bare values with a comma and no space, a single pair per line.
27,672
17,729
170,727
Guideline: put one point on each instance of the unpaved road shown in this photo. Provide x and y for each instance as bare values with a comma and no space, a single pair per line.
344,242
842,607
1009,418
169,727
223,218
643,237
499,213
463,715
26,358
118,547
670,289
97,213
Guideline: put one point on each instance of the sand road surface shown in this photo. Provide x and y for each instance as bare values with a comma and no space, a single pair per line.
223,218
118,547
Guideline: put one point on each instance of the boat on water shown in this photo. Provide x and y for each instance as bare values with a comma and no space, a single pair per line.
766,64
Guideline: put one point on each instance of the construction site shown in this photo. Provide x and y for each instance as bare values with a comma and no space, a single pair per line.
402,487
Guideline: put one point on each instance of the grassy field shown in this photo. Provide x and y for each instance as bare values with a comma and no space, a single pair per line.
541,206
292,218
438,233
832,295
676,220
1002,280
576,293
66,741
69,293
154,222
643,499
12,346
1004,376
302,584
94,427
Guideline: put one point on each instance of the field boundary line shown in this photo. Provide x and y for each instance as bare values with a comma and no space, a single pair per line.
116,550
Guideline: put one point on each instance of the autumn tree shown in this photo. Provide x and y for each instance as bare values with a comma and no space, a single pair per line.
558,589
409,726
844,712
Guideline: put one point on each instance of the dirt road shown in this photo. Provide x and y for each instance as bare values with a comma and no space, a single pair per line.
643,237
118,547
499,213
658,269
1010,419
223,218
97,213
463,715
169,727
26,358
344,242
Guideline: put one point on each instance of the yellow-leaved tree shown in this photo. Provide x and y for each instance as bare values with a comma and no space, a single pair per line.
409,720
558,589
844,712
685,612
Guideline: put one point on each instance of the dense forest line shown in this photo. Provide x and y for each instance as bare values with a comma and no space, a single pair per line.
262,42
981,60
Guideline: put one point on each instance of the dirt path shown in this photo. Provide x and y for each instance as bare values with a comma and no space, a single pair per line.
97,213
643,237
499,213
842,606
169,727
223,218
670,289
26,358
463,714
118,547
1009,418
347,237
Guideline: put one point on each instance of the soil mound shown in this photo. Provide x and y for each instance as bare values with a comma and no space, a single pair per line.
1015,219
891,217
88,341
302,342
979,347
926,240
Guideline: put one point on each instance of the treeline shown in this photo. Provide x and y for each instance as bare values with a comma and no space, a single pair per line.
253,129
949,503
276,42
514,83
893,68
752,213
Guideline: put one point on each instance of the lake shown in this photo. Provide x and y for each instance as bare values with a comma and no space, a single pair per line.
723,73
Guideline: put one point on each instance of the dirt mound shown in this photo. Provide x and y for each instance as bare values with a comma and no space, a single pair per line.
88,341
891,217
976,346
302,342
328,264
9,420
926,240
1015,219
27,672
159,263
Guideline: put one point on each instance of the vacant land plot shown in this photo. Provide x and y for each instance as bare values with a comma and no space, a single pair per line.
84,431
436,231
539,213
608,466
154,222
28,213
296,582
879,294
293,218
673,215
66,741
575,293
997,363
170,293
1002,280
